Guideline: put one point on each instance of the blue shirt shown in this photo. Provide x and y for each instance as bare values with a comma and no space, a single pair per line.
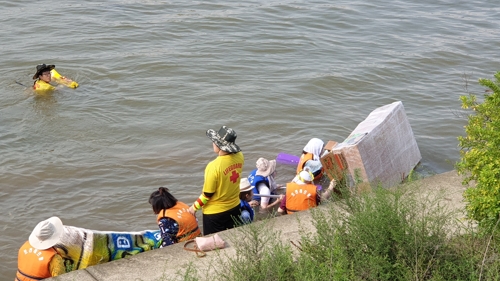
244,206
169,229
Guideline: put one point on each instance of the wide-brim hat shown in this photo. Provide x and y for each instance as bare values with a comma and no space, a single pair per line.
41,68
245,185
224,139
47,233
265,167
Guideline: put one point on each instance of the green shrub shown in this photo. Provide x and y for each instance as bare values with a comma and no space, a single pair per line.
404,233
260,255
480,154
321,258
397,234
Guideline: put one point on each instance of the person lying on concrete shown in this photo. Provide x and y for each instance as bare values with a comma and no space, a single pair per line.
37,258
302,194
263,181
176,223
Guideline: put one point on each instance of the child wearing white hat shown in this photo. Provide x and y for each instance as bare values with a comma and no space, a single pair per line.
264,184
302,194
37,258
246,203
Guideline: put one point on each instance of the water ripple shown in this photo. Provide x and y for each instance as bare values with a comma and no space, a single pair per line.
155,75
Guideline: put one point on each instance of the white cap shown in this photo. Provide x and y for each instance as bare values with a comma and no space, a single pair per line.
305,176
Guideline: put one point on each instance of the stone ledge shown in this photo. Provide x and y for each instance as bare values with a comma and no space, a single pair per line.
163,264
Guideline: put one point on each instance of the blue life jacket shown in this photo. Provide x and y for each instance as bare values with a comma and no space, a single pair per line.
255,180
245,206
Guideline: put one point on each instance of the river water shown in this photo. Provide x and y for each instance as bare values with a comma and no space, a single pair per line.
155,75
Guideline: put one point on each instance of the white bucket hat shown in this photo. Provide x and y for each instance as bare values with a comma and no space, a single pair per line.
47,233
265,167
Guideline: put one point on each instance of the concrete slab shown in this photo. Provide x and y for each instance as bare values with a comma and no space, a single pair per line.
166,263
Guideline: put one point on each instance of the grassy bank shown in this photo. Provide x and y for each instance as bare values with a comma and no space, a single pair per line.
398,234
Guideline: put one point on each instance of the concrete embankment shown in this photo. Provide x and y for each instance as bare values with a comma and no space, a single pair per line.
166,263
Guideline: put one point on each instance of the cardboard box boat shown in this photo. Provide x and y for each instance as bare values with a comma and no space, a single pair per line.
380,150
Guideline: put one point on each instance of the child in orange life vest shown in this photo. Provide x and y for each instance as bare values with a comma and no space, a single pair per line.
302,194
37,258
176,223
310,158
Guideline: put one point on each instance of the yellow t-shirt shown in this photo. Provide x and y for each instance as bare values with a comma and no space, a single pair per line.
41,86
222,177
56,266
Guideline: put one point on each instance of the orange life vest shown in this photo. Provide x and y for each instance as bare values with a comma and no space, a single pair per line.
188,226
303,159
300,197
33,264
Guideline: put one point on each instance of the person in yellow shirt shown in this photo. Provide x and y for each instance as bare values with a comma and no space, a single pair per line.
43,77
46,74
37,258
219,200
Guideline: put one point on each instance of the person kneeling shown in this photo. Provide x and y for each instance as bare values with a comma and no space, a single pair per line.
264,184
310,158
302,194
246,202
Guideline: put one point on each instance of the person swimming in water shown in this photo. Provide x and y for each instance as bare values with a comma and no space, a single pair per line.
46,74
43,77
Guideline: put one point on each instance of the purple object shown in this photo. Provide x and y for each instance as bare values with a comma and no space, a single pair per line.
287,159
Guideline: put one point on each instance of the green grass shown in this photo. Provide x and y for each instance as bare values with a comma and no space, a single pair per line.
386,234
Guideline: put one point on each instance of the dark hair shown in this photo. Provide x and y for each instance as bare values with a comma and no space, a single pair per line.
244,194
161,199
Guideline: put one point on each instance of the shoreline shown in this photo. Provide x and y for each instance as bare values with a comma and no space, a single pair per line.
165,263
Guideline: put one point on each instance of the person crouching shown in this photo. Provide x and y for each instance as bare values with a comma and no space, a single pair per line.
176,223
246,202
302,194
